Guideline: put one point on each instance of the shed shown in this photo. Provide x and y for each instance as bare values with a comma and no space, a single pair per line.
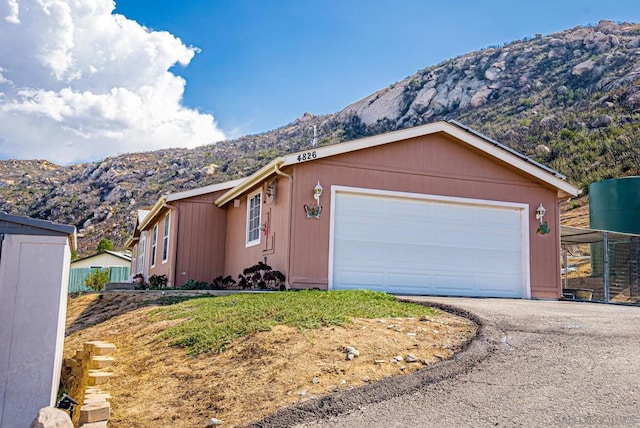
34,271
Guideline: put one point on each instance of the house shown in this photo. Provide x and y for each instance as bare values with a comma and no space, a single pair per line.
182,236
118,264
34,270
438,209
103,259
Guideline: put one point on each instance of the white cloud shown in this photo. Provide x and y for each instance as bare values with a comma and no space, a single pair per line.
78,83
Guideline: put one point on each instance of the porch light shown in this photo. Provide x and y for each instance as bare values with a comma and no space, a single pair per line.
540,213
317,192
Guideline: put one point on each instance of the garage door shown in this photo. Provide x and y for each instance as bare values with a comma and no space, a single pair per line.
418,244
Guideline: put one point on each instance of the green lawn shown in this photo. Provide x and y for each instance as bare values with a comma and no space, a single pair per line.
211,323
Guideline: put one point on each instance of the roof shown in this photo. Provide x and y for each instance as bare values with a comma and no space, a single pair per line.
570,235
157,207
113,253
142,214
456,130
19,225
203,190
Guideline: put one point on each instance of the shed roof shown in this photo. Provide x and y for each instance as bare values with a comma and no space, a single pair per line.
453,129
19,225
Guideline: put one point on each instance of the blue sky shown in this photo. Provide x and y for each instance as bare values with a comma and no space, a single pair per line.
264,63
83,80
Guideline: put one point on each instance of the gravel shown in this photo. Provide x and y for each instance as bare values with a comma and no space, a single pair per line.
534,364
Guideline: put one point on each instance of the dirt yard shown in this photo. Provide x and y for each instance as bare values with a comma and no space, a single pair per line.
156,385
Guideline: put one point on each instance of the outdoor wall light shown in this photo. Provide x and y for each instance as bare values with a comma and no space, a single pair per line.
543,229
310,210
317,192
540,213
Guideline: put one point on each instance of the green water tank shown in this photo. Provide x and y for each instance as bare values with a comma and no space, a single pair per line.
615,205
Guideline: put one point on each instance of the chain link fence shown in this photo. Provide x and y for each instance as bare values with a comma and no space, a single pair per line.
600,266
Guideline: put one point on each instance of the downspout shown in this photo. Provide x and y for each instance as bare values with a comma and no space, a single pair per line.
172,266
1,239
284,174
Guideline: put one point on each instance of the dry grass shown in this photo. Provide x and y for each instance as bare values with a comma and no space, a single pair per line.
156,385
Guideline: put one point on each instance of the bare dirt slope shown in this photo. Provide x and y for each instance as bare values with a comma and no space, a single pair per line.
156,385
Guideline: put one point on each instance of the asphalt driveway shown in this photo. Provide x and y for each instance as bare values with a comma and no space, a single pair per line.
535,364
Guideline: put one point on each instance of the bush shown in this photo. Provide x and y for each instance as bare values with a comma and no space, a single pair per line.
261,276
97,279
192,284
221,283
157,281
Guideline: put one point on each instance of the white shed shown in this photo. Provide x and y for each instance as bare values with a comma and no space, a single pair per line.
34,272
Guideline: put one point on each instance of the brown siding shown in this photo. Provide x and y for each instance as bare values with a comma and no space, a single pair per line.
201,239
434,164
274,247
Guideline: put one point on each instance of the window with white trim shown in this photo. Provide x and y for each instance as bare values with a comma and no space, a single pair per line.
254,210
134,258
165,239
141,252
154,245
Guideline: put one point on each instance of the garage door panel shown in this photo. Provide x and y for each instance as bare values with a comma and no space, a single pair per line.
357,279
418,246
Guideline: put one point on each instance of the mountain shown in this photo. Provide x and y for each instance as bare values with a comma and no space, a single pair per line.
570,100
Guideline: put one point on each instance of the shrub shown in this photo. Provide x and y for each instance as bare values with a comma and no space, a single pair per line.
157,281
221,283
261,275
97,279
192,284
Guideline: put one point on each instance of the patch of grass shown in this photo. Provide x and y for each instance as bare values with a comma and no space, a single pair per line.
211,324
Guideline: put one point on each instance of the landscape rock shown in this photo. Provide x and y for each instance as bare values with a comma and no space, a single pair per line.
410,358
50,417
351,352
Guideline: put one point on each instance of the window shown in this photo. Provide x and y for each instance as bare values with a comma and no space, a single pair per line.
165,239
134,258
154,245
254,208
141,252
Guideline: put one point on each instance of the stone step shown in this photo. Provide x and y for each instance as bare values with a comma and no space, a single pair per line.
96,398
99,424
101,362
97,377
99,347
95,412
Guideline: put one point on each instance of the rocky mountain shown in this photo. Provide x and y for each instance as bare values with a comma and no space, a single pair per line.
570,100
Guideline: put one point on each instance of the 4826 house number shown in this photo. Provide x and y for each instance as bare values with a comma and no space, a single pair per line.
307,156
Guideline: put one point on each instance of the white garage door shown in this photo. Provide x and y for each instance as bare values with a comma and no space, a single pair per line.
418,244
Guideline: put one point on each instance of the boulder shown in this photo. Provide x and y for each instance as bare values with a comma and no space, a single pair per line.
50,417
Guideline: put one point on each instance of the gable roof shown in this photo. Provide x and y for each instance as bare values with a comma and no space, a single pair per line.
19,225
453,129
157,207
113,253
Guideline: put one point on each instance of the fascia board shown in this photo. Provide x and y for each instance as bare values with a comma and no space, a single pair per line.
250,182
204,190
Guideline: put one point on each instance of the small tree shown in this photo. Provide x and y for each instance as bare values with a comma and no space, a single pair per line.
97,279
105,245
